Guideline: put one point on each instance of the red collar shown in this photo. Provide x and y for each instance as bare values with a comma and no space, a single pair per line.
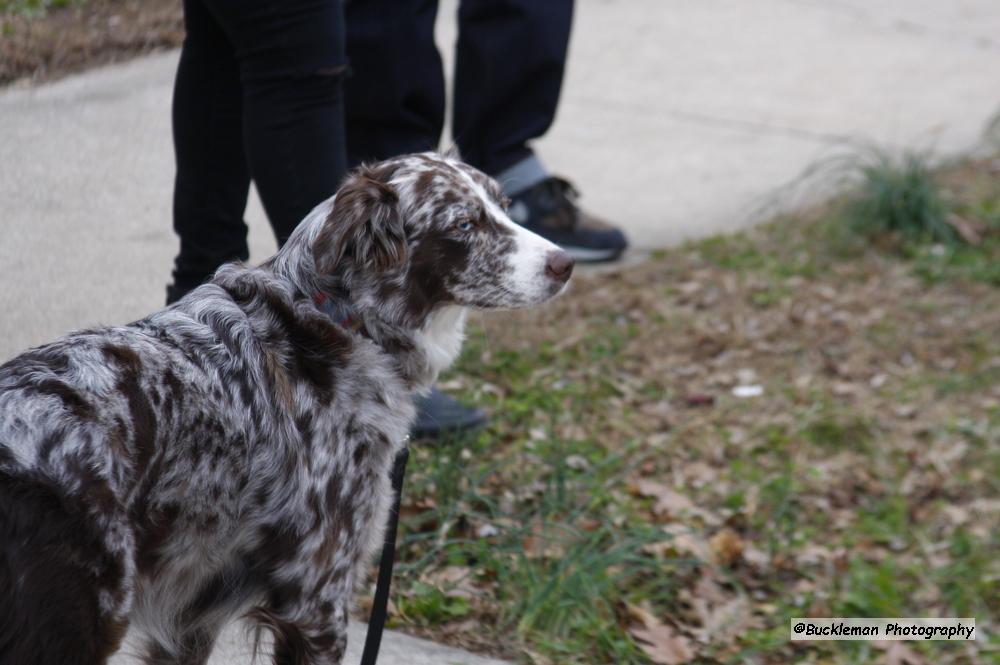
342,315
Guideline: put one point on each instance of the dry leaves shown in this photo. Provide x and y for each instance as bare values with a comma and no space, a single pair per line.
659,641
862,433
898,653
670,504
727,547
454,581
85,34
971,230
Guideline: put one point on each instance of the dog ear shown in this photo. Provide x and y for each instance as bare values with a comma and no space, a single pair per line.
364,226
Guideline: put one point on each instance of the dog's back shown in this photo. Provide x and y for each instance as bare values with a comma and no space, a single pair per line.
233,451
101,436
171,473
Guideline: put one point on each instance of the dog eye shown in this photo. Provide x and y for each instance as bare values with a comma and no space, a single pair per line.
465,225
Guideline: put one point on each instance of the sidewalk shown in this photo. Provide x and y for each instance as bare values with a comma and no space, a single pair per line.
679,119
235,647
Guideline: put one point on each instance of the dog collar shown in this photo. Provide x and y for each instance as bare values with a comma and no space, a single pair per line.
343,314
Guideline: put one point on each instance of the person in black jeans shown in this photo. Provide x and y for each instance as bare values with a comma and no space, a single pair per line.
258,94
511,55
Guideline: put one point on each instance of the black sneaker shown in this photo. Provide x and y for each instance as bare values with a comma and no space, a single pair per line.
438,414
549,209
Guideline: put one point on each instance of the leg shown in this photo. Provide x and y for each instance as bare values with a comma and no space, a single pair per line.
308,614
292,64
511,56
319,638
395,98
64,594
212,182
508,76
194,648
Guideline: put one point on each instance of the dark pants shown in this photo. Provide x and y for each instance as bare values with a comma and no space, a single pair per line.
259,94
509,69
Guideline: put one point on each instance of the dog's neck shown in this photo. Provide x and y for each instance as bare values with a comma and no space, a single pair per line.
440,338
422,352
422,349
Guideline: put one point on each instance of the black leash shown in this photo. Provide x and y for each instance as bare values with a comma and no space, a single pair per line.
376,623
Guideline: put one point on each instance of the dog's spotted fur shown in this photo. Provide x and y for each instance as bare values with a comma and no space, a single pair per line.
230,454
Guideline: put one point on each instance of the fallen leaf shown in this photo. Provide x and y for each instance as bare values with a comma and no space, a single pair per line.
897,653
844,389
724,623
682,544
700,474
453,581
956,515
537,658
661,642
813,555
689,541
668,502
970,230
660,411
709,589
641,614
727,547
756,557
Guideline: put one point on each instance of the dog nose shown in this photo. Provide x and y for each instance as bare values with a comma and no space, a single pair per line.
559,265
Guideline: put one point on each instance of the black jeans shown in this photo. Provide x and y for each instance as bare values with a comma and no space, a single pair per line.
259,94
510,59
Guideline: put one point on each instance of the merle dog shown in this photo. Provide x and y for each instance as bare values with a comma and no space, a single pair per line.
229,455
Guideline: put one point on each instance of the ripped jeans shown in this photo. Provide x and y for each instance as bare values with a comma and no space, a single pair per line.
258,95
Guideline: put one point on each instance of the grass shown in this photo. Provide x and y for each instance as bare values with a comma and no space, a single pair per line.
900,196
621,479
557,570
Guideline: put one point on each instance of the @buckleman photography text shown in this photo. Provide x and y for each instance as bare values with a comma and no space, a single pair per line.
883,629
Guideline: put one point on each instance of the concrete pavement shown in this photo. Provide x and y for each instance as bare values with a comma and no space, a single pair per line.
235,647
679,118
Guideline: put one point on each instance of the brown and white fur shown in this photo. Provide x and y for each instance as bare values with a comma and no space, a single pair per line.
229,455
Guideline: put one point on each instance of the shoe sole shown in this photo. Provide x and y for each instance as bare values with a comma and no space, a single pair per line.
591,255
435,432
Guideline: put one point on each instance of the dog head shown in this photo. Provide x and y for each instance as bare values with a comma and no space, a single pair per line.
421,232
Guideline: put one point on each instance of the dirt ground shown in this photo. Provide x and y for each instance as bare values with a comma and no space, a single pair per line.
748,428
95,32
